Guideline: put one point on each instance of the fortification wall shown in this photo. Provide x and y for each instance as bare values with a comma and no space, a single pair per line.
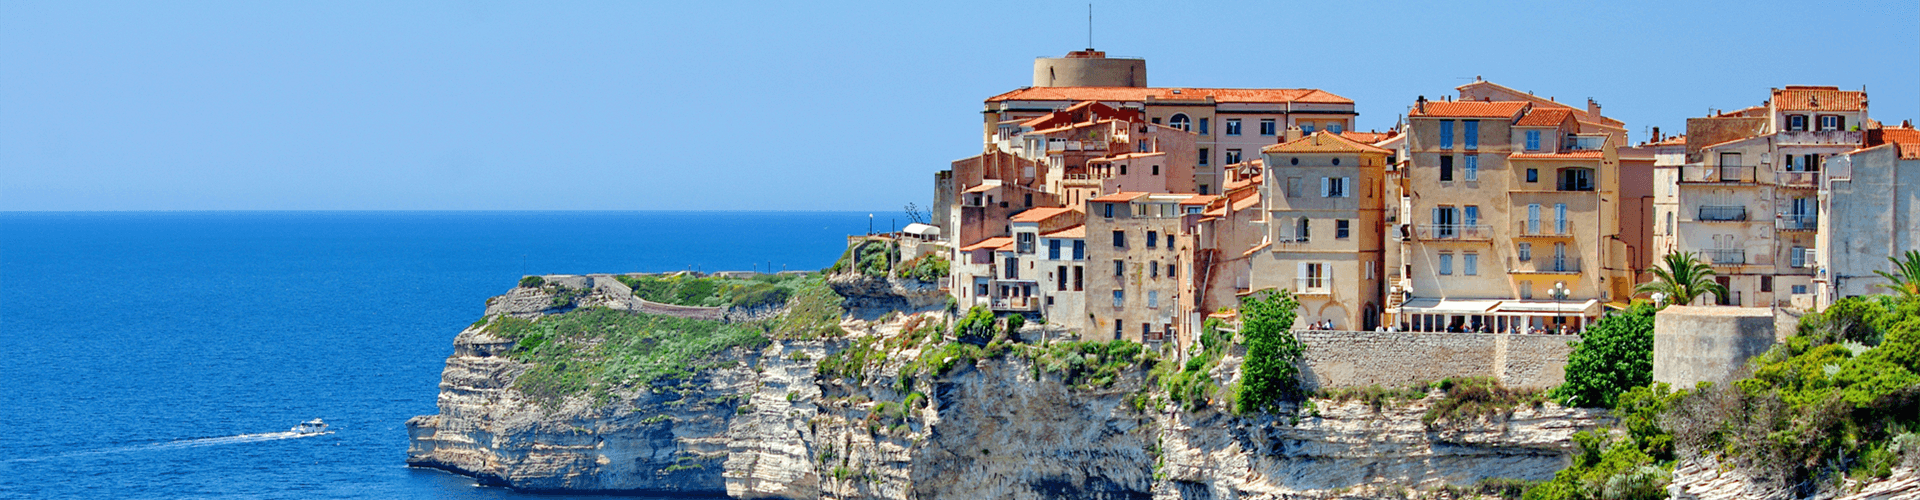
1347,359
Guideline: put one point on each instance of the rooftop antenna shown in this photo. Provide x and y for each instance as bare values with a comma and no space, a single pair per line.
1089,27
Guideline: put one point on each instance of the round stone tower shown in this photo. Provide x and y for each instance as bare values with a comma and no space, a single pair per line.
1089,68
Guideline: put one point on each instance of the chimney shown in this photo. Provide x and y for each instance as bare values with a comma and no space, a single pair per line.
1422,104
1656,134
1593,108
1293,134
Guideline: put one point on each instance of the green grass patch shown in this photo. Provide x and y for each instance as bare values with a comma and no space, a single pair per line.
1475,397
595,350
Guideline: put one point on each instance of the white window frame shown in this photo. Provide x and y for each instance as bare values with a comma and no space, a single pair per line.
1472,167
1269,127
1526,252
1233,127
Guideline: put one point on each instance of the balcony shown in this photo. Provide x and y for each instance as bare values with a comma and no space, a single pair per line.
1797,179
1725,256
1456,232
1722,213
1016,304
1056,146
1312,286
1849,138
1545,265
1797,222
1716,174
1583,143
1542,228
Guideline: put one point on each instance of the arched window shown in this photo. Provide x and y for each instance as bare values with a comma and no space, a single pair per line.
1180,121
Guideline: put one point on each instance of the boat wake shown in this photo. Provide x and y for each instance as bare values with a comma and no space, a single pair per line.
175,445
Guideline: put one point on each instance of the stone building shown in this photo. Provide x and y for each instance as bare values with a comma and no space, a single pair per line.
1868,214
1324,208
1133,266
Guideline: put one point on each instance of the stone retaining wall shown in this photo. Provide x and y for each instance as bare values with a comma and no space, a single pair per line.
1347,359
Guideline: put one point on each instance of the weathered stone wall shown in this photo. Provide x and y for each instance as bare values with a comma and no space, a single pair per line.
1693,344
1345,359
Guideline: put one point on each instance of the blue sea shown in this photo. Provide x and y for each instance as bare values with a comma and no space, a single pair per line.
162,354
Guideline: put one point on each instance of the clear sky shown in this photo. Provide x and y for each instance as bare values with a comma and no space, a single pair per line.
473,105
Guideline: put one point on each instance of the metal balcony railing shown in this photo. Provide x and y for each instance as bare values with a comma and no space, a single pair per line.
1797,179
1544,265
1722,213
1543,228
1023,304
1312,286
1461,232
1797,222
1716,173
1726,256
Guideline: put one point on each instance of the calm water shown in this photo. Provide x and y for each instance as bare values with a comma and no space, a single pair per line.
152,355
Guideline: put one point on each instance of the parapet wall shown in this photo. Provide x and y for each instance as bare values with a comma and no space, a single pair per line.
1348,359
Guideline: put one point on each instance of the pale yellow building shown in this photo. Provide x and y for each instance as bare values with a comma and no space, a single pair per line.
1324,211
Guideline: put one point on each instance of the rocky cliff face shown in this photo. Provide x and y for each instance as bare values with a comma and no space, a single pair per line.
769,425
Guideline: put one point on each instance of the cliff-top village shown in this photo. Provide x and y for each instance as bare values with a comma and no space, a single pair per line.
1104,205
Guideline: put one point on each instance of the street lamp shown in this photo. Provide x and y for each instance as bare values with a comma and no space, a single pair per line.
1559,292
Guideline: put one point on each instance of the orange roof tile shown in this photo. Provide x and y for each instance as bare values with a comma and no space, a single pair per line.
1141,94
1908,140
1200,200
1678,140
1367,137
1126,156
1322,142
1118,197
1470,109
1588,154
1079,231
1040,214
1817,98
1544,117
994,242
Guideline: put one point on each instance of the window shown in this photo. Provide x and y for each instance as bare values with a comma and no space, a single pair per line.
1799,258
1533,218
1369,269
1445,222
1446,264
1233,126
1267,126
1293,187
1203,190
1053,249
1153,300
1119,300
1029,196
1119,239
1471,216
1180,121
1473,134
1108,211
1669,223
1013,268
1060,279
1123,169
1156,171
1153,239
1079,249
1233,156
1313,276
1559,218
1153,269
980,289
1203,153
1526,290
1799,289
1533,175
1526,252
1203,131
1116,327
1446,168
1303,231
1766,283
1470,262
1533,140
1170,269
1473,167
1306,127
1797,122
1576,179
1335,127
1729,159
1025,245
1334,187
1446,134
1119,267
1169,241
1830,122
1341,229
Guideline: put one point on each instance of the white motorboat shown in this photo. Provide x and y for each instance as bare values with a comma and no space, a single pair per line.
314,426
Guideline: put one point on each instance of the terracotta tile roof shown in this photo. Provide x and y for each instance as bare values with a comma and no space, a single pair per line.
1469,109
1908,140
1678,140
1200,200
1141,94
1543,117
1322,142
1118,197
1814,98
1367,137
1040,214
1126,156
981,188
1588,154
1079,231
994,242
1072,126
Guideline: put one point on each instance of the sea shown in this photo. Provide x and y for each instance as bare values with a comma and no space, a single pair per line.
166,354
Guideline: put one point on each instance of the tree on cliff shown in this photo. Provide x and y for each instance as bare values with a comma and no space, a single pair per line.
1614,355
1906,282
1271,371
1684,279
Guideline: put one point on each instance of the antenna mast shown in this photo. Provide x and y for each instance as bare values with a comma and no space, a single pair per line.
1089,26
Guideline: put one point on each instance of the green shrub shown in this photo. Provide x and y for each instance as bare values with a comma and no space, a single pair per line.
532,282
977,327
1270,374
929,267
1475,397
1014,322
596,350
1614,355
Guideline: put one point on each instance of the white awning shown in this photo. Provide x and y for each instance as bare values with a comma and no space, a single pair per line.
1587,307
919,229
1447,306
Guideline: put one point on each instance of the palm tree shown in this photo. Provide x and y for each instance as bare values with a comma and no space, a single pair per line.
1684,279
1906,280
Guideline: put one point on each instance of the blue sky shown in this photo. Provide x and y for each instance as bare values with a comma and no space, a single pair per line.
459,105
